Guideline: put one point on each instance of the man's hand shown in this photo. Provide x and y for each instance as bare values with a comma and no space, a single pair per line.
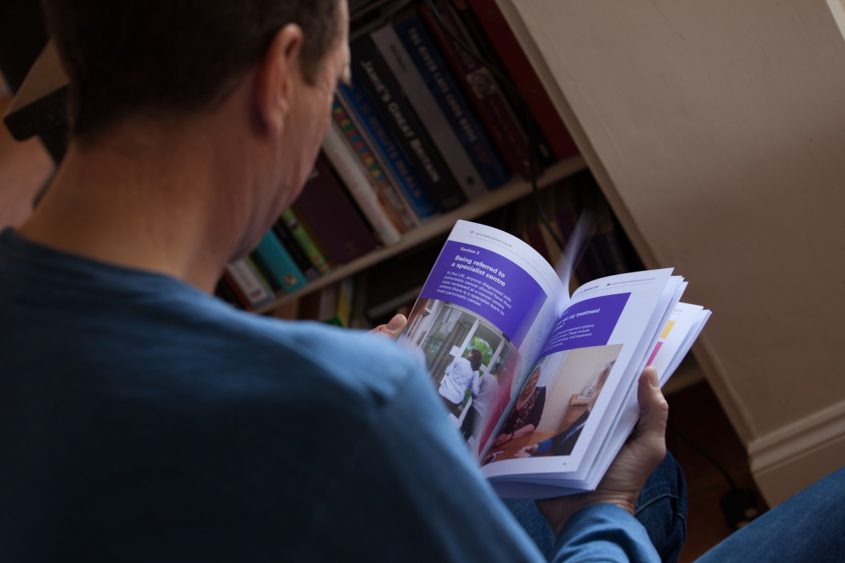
640,455
392,329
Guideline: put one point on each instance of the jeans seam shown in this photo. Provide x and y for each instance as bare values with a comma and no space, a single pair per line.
655,499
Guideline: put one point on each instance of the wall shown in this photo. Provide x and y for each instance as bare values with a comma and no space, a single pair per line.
717,130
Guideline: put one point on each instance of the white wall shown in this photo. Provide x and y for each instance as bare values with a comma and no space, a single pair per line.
717,130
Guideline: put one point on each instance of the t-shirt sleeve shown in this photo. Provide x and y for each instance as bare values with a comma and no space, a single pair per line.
411,482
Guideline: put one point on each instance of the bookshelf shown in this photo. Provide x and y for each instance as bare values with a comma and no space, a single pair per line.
438,225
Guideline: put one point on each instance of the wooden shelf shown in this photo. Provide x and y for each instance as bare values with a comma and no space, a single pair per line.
434,227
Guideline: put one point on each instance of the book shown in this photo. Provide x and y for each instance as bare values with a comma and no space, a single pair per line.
544,152
330,217
542,382
277,263
296,253
388,193
318,261
522,73
372,75
480,86
416,91
247,285
450,98
383,219
402,171
332,305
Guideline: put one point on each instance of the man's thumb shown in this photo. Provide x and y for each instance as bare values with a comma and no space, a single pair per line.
654,410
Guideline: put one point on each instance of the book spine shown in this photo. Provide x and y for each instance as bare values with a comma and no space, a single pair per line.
327,211
248,286
361,110
445,91
347,167
400,64
276,261
481,88
524,77
542,153
312,251
371,73
296,253
379,180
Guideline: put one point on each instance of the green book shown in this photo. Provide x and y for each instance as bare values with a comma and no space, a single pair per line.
305,241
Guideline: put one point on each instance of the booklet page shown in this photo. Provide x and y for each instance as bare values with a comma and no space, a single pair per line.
583,371
481,318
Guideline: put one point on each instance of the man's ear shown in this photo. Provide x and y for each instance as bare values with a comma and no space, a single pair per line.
275,74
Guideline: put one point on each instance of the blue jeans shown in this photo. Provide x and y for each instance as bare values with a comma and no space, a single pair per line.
808,527
661,508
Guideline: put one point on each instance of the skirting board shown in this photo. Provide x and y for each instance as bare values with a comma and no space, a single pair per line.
798,454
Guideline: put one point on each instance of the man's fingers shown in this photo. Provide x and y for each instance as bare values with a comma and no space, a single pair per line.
397,323
654,410
393,328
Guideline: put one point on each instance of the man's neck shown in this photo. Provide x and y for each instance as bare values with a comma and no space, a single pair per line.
146,200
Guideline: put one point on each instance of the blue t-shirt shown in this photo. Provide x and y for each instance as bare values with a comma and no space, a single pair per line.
143,420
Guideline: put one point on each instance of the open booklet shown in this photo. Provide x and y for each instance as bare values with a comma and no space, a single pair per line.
541,383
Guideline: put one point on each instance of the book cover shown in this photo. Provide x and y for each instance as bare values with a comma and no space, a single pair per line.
361,110
480,86
524,77
451,100
371,74
328,214
389,193
278,264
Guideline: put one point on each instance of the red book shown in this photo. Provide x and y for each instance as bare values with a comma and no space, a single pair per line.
522,74
331,218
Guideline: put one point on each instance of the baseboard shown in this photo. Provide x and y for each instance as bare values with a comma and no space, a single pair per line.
798,454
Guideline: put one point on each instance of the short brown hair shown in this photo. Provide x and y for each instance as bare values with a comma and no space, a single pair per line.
129,56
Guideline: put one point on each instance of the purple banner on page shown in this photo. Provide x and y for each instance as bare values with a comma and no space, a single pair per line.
487,284
588,323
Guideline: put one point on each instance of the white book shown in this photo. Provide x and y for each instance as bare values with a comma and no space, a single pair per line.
249,283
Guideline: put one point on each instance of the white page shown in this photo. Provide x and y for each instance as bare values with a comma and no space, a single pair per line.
599,335
490,291
675,339
630,413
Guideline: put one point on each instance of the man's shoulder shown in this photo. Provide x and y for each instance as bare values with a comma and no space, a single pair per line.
305,354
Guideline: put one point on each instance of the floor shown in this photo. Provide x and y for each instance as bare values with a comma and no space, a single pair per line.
701,438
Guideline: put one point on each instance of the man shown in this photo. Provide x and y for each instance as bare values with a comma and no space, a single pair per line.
144,420
459,377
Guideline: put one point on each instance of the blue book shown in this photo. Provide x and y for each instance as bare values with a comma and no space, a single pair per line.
272,257
400,167
446,91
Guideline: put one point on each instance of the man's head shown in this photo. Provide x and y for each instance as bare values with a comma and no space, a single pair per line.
246,84
174,56
475,359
